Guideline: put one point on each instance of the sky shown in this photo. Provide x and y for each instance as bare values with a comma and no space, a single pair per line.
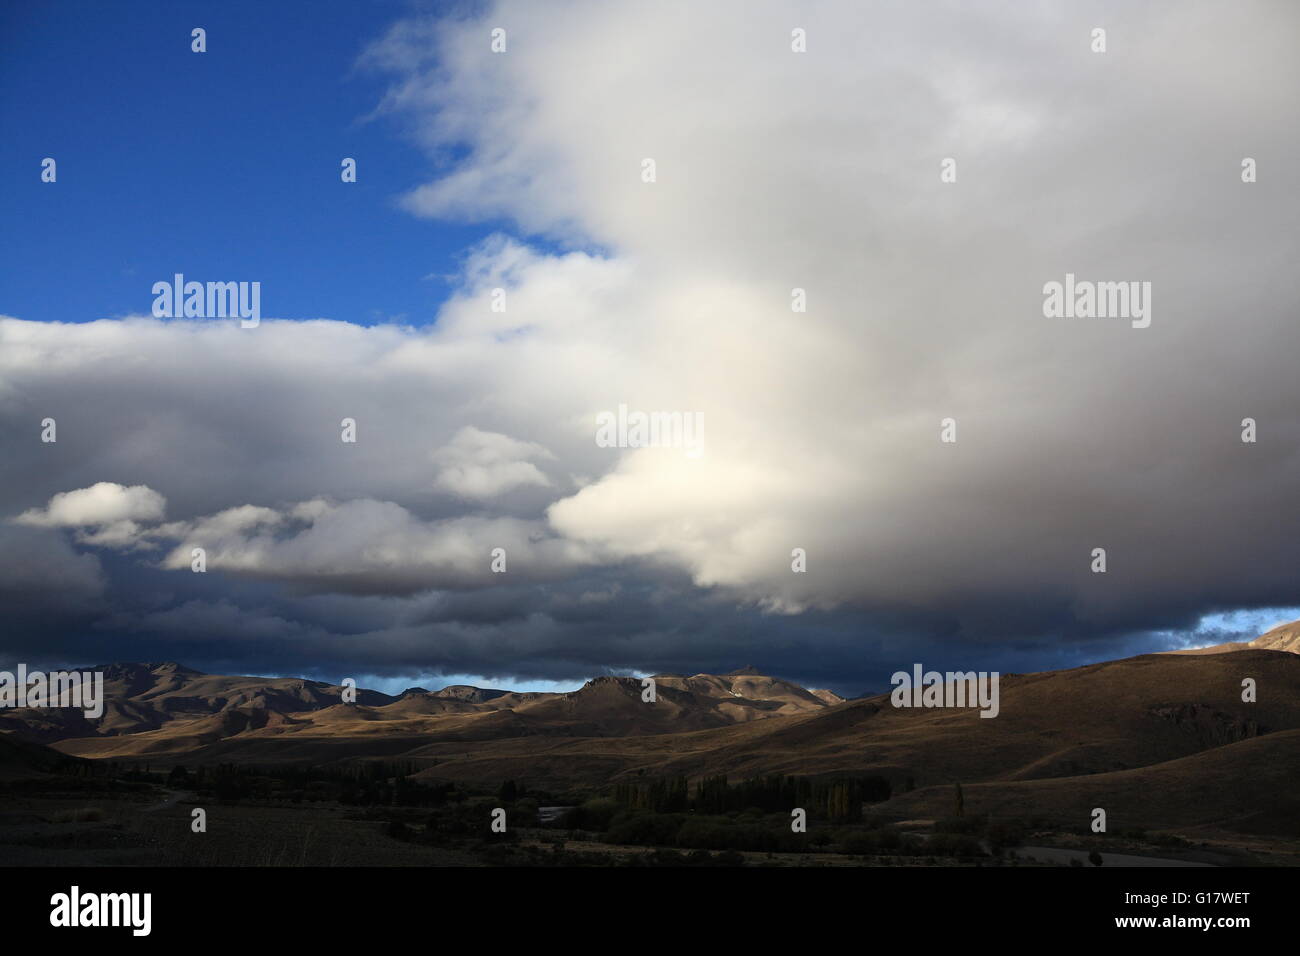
502,273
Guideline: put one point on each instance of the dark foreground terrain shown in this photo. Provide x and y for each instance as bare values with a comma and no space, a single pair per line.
378,815
1186,769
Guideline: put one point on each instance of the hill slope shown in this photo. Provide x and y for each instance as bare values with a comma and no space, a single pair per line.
171,710
1284,637
1123,729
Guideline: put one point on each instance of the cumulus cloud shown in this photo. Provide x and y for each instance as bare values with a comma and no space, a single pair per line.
368,546
479,464
105,514
775,171
359,546
103,503
820,171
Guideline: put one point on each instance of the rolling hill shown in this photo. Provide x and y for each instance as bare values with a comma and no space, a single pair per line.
168,709
1164,736
1284,637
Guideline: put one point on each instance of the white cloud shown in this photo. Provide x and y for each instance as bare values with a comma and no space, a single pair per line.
480,464
367,546
821,171
776,170
112,510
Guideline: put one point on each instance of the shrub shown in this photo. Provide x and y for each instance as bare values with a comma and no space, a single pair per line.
595,814
80,815
398,830
952,844
1004,834
645,829
974,824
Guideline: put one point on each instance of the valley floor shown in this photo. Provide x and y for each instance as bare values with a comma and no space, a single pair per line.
151,826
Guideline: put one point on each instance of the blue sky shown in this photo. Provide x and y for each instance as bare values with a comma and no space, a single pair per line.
224,165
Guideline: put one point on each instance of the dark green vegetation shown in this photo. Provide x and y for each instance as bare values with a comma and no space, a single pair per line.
70,811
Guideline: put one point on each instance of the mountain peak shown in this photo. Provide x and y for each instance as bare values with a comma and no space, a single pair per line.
469,693
1284,637
128,668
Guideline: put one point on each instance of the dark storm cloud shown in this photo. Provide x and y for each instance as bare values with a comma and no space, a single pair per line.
818,171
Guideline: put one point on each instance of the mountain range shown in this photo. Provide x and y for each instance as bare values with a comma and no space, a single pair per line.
1158,739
